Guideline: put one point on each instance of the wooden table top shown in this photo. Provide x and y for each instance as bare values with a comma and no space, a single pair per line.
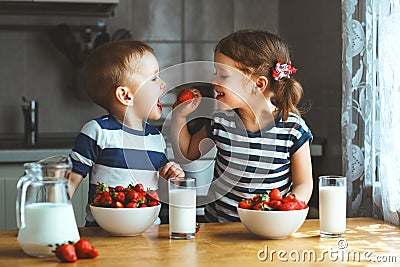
368,242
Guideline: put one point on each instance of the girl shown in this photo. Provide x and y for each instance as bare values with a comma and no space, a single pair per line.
262,142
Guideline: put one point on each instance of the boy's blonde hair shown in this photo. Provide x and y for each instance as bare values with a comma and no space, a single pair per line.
111,65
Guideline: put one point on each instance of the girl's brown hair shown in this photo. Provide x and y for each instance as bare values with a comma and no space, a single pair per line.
256,53
111,65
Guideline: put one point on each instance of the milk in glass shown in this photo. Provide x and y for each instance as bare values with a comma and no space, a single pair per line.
332,206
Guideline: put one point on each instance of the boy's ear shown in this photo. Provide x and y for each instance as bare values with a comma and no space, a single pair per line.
262,83
123,95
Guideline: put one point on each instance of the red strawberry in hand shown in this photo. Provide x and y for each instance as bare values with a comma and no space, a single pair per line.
85,250
66,253
186,95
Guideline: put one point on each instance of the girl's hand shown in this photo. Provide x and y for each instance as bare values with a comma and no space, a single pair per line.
183,107
171,170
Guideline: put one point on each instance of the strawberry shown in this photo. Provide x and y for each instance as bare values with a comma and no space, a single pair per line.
275,204
152,203
106,199
132,205
293,205
117,204
245,204
186,95
84,249
143,205
118,196
119,188
97,200
301,203
139,187
66,253
256,198
289,198
275,194
142,197
261,205
101,187
132,196
152,195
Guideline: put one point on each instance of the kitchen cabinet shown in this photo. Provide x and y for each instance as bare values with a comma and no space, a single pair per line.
9,176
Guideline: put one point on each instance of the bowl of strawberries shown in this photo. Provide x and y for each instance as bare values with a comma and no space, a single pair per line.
271,215
125,211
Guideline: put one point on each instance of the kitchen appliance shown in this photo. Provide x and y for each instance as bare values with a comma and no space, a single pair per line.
31,121
45,215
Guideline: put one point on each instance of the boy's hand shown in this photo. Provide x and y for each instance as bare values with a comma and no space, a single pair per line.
171,170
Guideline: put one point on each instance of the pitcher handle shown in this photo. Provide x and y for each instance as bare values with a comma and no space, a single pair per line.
22,185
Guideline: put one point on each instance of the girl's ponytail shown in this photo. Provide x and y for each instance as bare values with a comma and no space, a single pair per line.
287,95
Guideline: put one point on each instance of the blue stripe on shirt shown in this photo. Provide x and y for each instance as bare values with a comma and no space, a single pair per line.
131,159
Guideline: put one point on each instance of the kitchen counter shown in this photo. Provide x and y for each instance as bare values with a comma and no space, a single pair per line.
14,150
229,244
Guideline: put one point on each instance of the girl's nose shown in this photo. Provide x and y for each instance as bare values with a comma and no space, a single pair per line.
214,82
163,84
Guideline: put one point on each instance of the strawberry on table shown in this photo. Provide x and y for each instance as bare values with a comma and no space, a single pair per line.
85,250
66,253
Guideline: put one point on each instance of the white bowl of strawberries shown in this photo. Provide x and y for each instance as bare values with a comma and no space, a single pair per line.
125,211
271,216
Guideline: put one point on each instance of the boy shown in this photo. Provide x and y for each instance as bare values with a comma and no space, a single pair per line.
121,147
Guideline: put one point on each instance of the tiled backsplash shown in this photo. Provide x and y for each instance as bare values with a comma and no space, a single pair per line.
179,31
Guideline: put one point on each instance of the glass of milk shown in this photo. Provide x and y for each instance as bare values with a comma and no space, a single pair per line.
182,208
332,205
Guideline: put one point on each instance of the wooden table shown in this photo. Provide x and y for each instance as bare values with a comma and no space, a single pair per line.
229,244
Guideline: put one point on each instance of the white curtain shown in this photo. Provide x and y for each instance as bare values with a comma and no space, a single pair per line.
371,107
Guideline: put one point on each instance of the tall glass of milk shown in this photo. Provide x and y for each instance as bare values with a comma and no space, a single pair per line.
182,208
332,205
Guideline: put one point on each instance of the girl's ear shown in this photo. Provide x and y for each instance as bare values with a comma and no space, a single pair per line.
262,83
123,95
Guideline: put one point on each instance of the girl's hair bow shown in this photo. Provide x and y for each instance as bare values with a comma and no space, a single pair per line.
283,70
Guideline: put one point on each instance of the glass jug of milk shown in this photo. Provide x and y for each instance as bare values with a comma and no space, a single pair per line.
45,216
